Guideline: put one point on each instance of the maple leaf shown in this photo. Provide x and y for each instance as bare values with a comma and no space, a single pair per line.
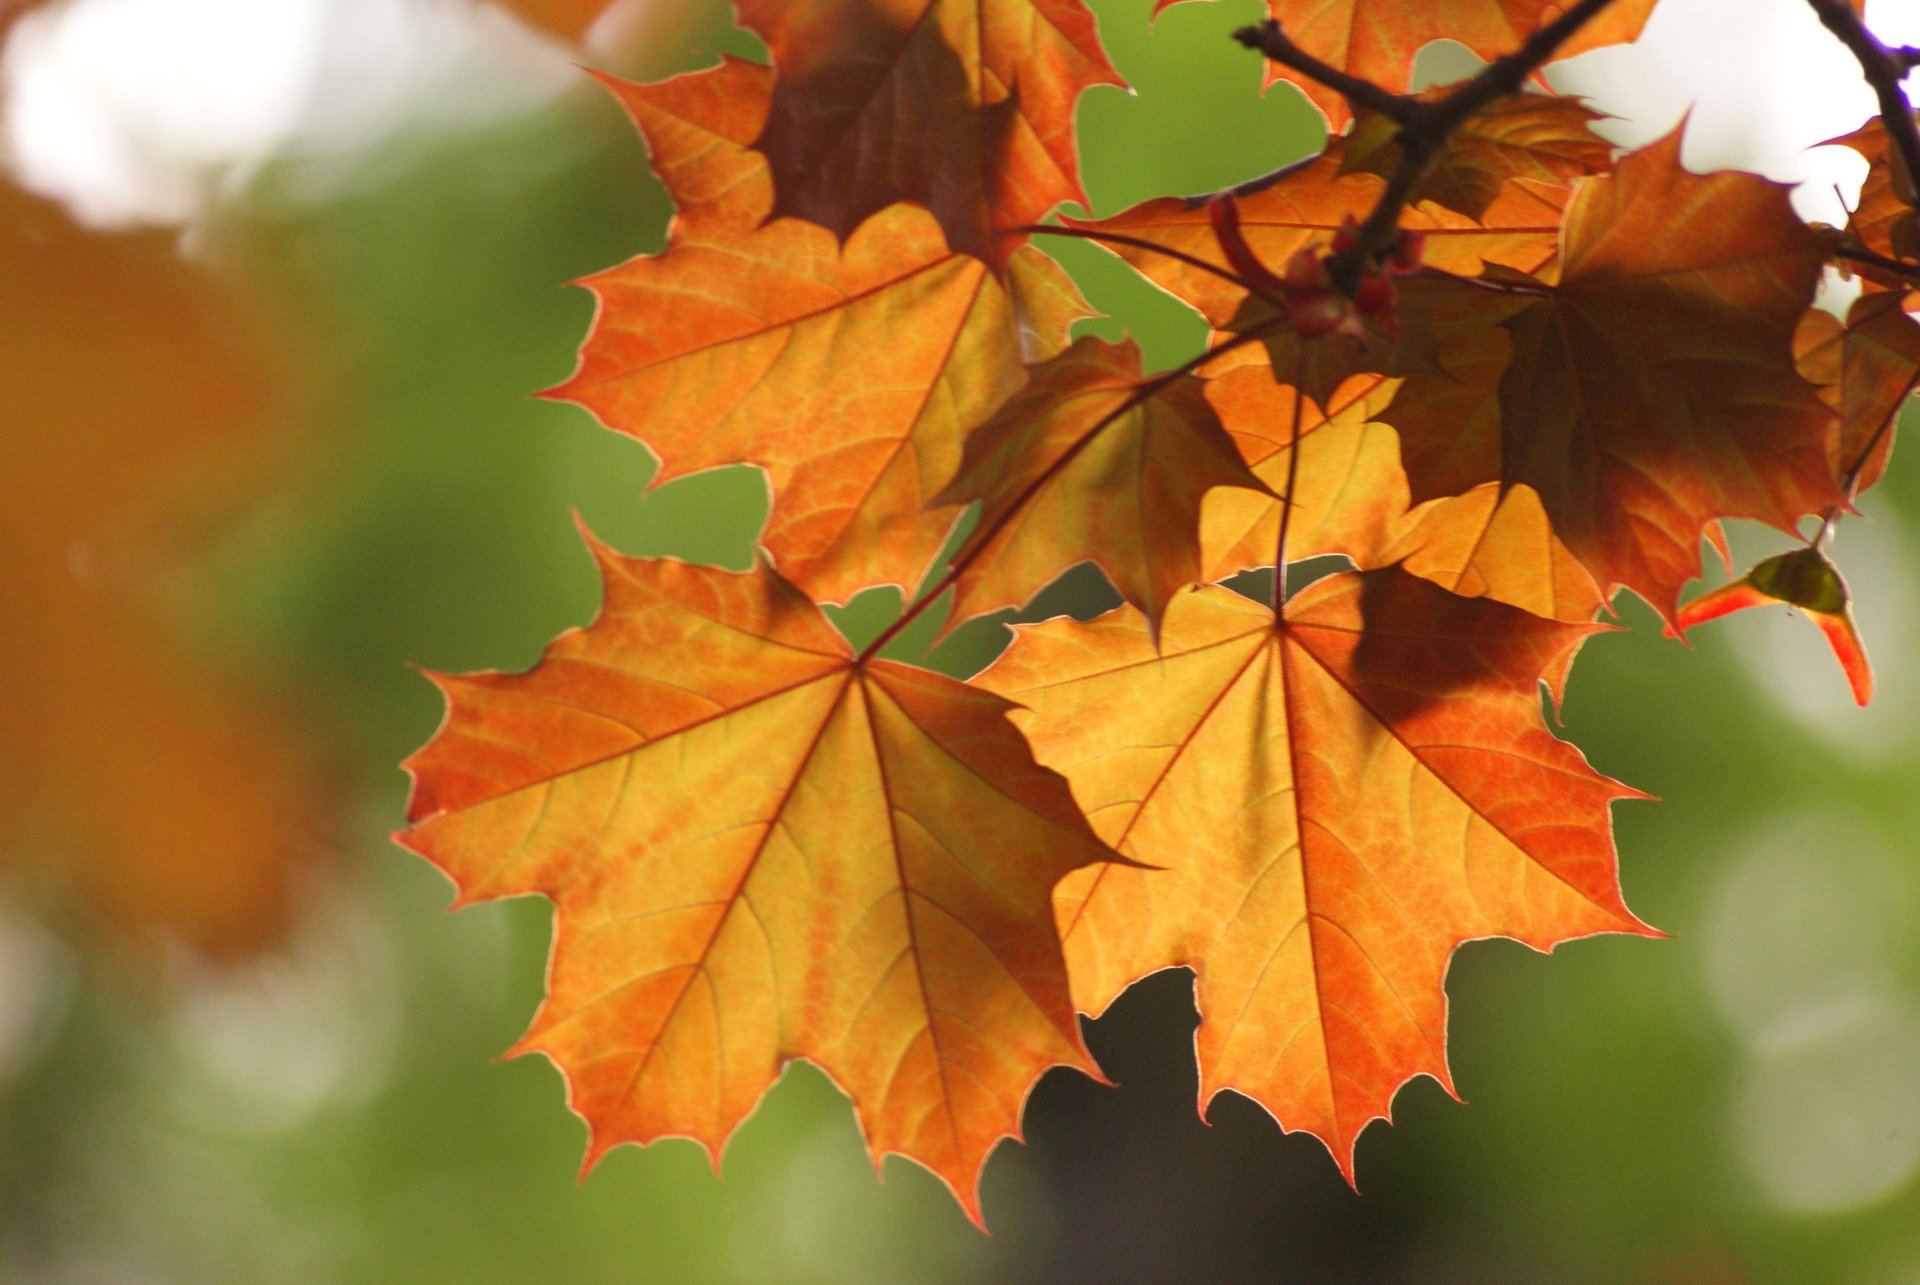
1377,39
759,848
965,106
849,373
161,788
1526,136
1336,801
1651,390
1802,578
1303,207
1349,495
1351,499
1865,369
1883,219
1091,461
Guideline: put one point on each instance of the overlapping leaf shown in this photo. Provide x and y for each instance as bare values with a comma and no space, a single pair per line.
965,106
1883,219
1866,370
1303,207
1377,39
1336,802
760,849
849,373
1091,461
1351,499
1541,137
1652,390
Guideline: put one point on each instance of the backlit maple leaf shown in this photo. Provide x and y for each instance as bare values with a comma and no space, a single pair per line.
849,373
759,848
1651,390
1336,802
1866,370
1377,39
965,106
1351,498
1524,136
1091,461
1883,219
1803,579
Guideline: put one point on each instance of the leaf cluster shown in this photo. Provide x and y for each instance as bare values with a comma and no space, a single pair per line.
1502,371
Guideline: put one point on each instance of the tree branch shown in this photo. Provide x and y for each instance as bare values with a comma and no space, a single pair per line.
1899,268
1424,126
1271,40
1884,68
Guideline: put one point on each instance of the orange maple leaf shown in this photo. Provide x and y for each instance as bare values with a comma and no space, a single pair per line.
849,373
1865,369
1303,207
965,106
1336,800
162,791
1351,498
1525,136
1804,579
1091,462
760,848
1377,39
1652,390
1883,218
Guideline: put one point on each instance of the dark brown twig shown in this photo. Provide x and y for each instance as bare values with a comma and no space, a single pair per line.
1884,68
1424,126
1269,38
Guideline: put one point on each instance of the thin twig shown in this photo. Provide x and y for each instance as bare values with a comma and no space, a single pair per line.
1270,39
1898,267
1152,247
1884,69
1424,126
1293,481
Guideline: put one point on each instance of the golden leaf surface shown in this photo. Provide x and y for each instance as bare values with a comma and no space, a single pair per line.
1091,462
850,373
759,848
1335,802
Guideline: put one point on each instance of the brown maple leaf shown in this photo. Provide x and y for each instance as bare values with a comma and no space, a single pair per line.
759,848
1865,369
1092,461
1652,390
1540,137
1377,39
1336,801
1883,218
965,106
850,373
163,793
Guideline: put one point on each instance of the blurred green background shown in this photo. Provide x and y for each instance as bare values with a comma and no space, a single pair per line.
1741,1102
